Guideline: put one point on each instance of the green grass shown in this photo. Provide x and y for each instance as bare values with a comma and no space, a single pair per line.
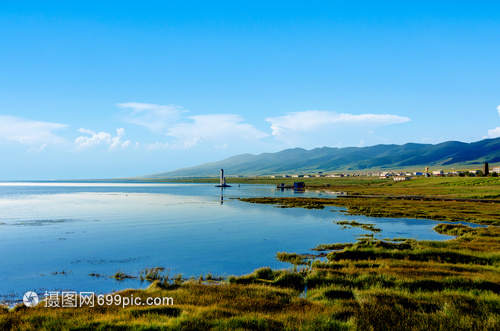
155,273
286,203
331,247
364,226
383,205
119,275
292,258
474,212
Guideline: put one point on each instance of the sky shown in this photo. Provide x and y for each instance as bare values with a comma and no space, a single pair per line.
107,89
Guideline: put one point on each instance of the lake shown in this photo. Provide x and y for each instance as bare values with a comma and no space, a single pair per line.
54,234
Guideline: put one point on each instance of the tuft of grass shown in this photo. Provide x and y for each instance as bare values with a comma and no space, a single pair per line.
453,229
265,273
308,203
155,273
178,279
364,226
293,258
291,280
331,247
332,292
154,310
120,275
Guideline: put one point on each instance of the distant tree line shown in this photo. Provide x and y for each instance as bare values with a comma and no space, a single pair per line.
478,173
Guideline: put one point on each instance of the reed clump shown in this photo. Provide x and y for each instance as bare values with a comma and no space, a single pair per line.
307,203
364,226
292,258
120,275
154,273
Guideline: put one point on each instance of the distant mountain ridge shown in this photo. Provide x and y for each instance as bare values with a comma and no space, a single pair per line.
327,159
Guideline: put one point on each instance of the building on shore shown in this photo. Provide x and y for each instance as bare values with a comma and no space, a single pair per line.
401,178
486,169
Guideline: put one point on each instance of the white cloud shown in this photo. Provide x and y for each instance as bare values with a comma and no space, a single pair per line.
86,131
287,128
189,131
25,131
153,117
494,133
155,146
224,130
427,140
101,138
216,128
37,149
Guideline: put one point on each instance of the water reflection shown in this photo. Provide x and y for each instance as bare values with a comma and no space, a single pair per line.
222,195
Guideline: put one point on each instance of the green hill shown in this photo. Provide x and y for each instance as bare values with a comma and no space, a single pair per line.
326,159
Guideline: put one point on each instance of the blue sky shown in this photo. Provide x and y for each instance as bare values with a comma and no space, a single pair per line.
99,89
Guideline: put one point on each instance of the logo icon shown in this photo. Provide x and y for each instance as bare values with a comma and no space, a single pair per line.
30,299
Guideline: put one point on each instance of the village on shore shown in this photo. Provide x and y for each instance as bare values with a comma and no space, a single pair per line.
395,175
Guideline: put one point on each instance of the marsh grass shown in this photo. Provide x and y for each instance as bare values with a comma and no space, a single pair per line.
381,205
453,211
93,274
287,202
364,226
293,258
154,273
331,247
120,275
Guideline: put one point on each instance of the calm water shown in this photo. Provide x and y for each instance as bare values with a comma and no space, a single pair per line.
193,229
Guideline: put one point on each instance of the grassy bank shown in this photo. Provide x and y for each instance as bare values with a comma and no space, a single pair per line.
474,212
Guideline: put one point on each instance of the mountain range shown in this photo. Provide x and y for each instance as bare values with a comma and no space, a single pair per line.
327,159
